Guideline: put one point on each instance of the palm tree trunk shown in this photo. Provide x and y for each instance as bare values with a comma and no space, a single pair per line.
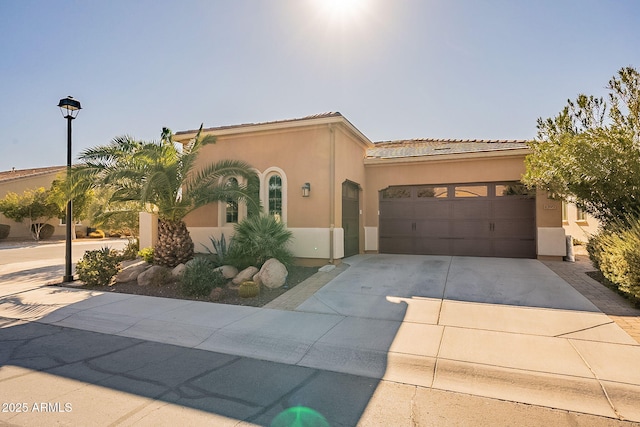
174,243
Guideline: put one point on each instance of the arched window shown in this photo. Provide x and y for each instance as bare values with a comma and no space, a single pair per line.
273,193
275,196
232,204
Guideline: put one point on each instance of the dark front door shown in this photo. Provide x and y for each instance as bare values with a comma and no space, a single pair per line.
351,218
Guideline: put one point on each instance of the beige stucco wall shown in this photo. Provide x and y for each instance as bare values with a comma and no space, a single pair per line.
18,186
551,242
300,155
579,229
322,154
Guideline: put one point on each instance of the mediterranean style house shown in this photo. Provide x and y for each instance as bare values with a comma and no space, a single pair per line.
341,194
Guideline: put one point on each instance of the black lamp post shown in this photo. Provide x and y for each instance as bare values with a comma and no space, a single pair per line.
69,108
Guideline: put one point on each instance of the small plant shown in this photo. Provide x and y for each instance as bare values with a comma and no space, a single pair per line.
577,242
200,277
248,289
259,238
131,250
97,234
4,231
147,254
98,268
221,250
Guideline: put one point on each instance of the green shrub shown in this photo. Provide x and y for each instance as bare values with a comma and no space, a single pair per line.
147,254
98,268
615,251
200,277
220,249
97,234
131,250
4,231
259,238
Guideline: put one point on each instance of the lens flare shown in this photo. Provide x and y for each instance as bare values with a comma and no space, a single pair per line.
299,416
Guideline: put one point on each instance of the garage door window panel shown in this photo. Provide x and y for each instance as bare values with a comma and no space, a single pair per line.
516,190
396,193
432,192
472,191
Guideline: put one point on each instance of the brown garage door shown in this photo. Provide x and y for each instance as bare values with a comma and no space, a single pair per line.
482,219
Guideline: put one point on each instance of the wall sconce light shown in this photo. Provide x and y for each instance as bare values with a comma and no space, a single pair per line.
306,189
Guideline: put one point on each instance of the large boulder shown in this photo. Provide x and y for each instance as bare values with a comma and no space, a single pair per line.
178,270
154,275
244,275
228,271
131,270
273,274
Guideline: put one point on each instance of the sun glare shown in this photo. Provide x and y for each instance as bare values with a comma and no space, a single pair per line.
341,9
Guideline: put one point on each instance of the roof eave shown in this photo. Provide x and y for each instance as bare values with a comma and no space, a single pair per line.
185,136
512,152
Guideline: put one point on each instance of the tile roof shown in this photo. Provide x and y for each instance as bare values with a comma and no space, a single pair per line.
24,173
435,147
314,116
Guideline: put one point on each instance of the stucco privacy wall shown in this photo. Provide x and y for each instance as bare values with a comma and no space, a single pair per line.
28,180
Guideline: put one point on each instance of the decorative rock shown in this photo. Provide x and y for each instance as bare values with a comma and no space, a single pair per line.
154,275
246,274
228,271
131,271
178,270
256,278
131,262
216,294
273,274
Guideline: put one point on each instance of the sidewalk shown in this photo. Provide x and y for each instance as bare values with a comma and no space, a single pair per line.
403,338
610,303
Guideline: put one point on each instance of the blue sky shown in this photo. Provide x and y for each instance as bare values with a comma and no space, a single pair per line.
395,68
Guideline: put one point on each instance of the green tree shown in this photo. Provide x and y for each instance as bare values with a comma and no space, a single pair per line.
34,205
62,189
590,151
121,217
162,177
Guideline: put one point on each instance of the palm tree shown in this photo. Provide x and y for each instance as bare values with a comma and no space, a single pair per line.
162,178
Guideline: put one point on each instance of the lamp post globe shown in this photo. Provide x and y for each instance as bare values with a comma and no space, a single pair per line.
69,108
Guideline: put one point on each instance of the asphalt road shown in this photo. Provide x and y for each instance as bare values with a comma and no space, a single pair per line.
19,252
29,265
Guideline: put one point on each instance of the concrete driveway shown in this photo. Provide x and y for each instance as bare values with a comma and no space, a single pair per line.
505,329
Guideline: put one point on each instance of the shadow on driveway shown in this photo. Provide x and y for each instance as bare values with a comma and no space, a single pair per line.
111,379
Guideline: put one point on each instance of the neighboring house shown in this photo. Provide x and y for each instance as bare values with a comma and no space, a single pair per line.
340,194
19,180
577,223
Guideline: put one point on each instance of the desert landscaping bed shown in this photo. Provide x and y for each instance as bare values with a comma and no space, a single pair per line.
229,293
